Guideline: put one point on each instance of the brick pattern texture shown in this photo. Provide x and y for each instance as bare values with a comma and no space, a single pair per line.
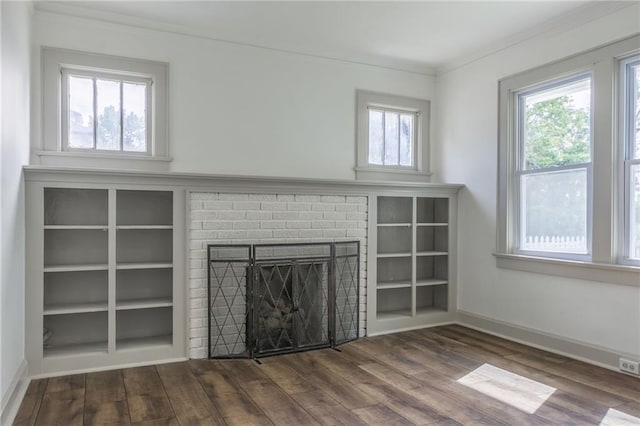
222,218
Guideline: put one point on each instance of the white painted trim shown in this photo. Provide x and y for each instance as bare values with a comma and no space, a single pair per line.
107,368
590,271
232,183
12,399
415,327
571,348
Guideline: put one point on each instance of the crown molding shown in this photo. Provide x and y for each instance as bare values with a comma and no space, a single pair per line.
577,17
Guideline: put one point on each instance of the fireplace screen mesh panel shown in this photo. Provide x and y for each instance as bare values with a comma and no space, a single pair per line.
228,315
347,276
279,298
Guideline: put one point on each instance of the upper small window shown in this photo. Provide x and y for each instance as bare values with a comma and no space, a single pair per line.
392,137
104,111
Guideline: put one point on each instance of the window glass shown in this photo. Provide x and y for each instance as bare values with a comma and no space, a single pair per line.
554,166
391,138
80,112
557,130
119,108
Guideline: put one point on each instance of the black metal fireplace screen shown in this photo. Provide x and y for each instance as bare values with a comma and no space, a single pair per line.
267,299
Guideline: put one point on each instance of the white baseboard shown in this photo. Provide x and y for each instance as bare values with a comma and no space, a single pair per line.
560,345
13,397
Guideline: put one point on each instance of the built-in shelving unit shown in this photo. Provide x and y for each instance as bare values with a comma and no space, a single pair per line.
107,283
411,257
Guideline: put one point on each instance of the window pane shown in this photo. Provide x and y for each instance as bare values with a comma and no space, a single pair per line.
634,213
556,127
108,102
134,104
406,138
635,104
391,138
376,137
554,211
80,112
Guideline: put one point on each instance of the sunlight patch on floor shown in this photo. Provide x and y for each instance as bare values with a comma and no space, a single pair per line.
518,391
618,418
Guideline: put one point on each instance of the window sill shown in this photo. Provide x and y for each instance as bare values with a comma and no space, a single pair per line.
393,174
590,271
103,160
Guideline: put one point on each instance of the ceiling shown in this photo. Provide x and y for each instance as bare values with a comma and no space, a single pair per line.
413,36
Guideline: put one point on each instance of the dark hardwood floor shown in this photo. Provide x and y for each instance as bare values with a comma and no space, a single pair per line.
440,376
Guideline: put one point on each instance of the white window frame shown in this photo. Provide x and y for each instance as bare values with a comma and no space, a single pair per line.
57,64
626,118
607,213
518,140
420,108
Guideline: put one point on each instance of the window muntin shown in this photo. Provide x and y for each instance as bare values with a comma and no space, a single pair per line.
391,137
105,112
630,70
553,172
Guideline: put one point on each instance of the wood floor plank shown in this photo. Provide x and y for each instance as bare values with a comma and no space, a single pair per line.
336,414
228,397
188,399
106,399
287,378
65,383
28,410
64,408
276,404
146,396
380,415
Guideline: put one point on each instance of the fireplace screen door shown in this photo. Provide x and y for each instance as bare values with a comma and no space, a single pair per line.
267,299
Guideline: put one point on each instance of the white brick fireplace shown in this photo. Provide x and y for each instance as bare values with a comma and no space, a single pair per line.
240,218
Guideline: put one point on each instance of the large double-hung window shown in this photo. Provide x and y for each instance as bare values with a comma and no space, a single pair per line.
553,137
630,132
569,166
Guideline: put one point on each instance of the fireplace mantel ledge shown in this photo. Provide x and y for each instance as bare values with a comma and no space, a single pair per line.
241,183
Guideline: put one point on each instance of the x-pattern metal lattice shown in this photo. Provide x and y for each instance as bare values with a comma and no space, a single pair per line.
274,277
229,341
347,289
314,304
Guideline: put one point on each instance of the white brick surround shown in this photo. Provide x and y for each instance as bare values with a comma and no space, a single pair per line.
235,218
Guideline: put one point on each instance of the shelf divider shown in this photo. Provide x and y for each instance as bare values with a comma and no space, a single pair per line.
75,308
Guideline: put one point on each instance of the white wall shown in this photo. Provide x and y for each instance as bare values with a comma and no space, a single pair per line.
599,314
242,110
14,153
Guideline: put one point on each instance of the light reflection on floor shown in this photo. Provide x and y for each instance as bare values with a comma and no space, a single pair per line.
618,418
518,391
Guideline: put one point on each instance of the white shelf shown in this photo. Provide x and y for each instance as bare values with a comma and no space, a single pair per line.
432,253
75,308
124,227
391,315
384,255
93,348
429,310
75,268
144,304
401,225
143,342
430,281
432,224
93,227
393,284
146,265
